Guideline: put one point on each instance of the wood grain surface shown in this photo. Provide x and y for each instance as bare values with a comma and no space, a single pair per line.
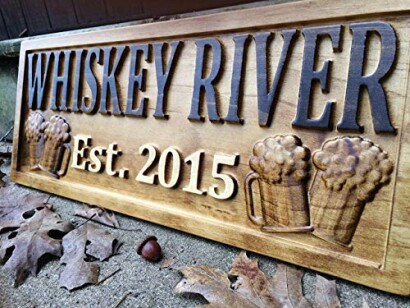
258,128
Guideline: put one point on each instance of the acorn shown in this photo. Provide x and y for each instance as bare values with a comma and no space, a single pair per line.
149,249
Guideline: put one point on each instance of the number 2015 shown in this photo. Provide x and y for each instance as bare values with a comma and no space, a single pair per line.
171,155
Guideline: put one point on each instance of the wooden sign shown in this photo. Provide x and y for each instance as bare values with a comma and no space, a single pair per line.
283,130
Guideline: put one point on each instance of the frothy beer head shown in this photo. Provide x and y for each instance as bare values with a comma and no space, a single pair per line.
355,162
34,128
280,156
57,130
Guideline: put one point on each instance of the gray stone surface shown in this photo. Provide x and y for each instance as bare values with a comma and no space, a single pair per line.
8,84
151,286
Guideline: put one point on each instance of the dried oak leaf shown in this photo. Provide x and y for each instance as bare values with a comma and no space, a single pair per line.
39,235
284,289
251,289
2,175
16,209
5,149
97,214
326,295
79,245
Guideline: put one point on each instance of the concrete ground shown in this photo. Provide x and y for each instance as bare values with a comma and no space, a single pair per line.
150,285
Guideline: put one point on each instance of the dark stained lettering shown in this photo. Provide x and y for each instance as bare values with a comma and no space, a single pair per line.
37,82
78,78
136,80
163,77
60,80
236,81
62,75
356,81
309,74
89,105
109,83
267,101
206,84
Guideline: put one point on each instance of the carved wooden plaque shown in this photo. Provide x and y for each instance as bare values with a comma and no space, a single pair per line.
283,130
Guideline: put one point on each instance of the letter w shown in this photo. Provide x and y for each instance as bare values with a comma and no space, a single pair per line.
37,82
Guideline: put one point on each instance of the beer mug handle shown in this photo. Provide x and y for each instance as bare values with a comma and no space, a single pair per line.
65,161
258,220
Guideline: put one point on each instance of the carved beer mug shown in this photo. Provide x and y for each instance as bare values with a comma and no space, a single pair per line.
34,133
281,167
57,150
350,171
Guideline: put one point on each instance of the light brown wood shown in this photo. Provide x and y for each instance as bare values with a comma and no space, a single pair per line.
260,188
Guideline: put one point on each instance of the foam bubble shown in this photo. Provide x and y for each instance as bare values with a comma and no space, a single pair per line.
280,156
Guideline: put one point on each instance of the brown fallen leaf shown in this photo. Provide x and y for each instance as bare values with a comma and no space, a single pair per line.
39,235
5,149
252,288
284,289
97,214
16,209
2,175
86,241
213,284
326,295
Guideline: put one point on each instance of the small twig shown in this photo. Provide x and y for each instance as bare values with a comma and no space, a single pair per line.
109,276
123,298
23,33
49,197
7,133
125,229
112,227
47,203
92,216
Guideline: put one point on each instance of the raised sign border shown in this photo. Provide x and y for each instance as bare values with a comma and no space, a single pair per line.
392,277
